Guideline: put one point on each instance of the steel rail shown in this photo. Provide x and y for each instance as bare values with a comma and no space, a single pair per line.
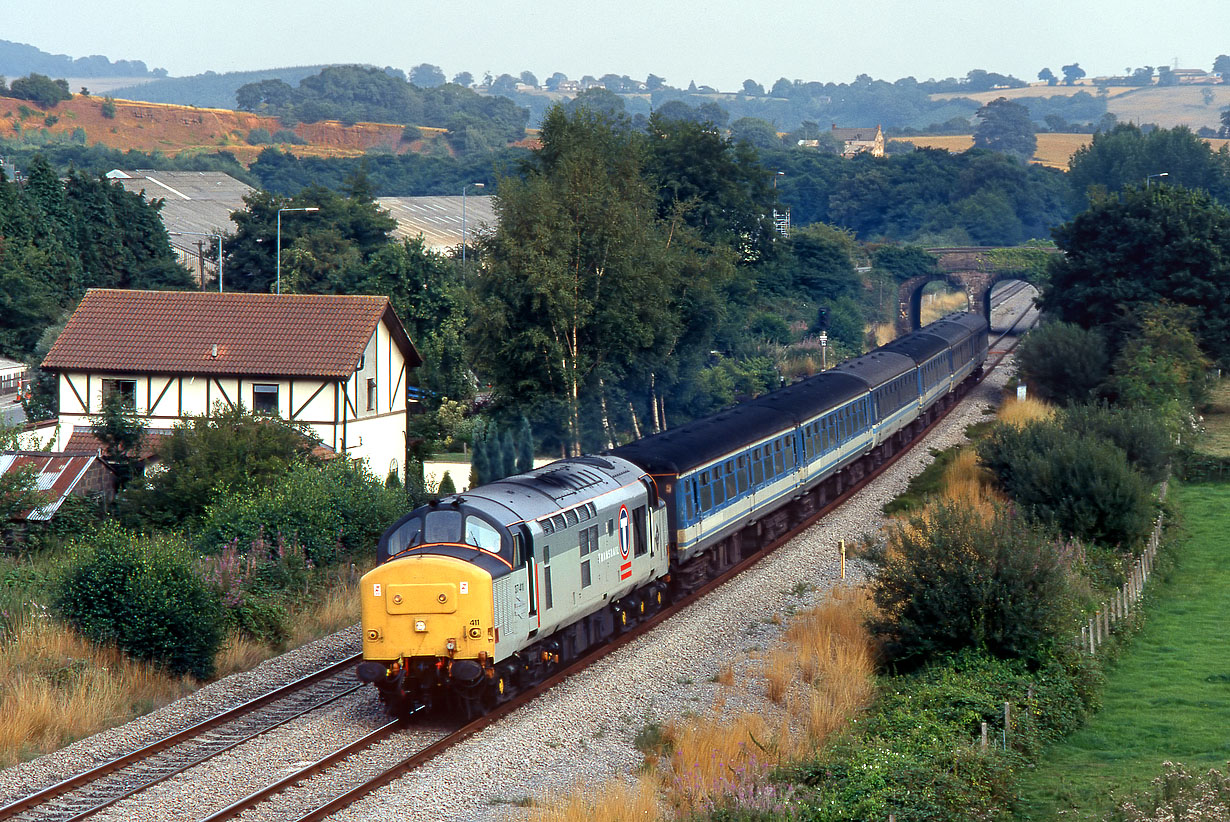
639,629
93,774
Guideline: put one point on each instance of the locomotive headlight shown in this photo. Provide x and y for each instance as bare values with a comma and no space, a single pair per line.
420,625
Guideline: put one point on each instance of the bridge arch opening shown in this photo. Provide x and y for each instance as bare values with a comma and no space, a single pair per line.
1008,287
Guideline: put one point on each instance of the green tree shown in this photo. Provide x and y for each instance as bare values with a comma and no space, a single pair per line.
1132,251
525,446
1126,156
40,89
19,492
1082,486
1048,76
1160,366
1072,73
1005,126
955,580
755,132
144,595
447,486
122,434
823,269
203,457
575,284
1063,362
426,75
905,262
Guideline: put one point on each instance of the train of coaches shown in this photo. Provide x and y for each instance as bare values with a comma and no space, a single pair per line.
487,592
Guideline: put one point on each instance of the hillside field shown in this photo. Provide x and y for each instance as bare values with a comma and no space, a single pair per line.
1167,106
174,129
1054,150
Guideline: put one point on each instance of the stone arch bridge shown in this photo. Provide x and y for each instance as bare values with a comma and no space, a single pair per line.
974,270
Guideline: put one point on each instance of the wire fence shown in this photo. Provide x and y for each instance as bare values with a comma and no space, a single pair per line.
1123,602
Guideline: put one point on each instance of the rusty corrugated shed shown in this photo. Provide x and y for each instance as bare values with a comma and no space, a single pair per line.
58,474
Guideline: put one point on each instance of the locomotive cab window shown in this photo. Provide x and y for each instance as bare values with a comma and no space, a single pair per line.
482,535
442,526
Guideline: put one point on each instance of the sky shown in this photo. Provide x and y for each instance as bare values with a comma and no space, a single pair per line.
718,43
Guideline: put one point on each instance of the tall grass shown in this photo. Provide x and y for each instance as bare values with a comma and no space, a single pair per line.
1019,413
56,687
937,304
616,801
817,679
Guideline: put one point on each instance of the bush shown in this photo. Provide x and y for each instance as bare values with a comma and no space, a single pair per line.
254,583
1082,486
915,755
143,594
259,137
108,108
1063,362
285,135
952,579
330,510
447,486
1138,432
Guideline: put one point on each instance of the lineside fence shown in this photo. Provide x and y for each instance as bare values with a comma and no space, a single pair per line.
1121,604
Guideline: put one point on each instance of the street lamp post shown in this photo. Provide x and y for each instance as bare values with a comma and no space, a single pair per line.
463,222
1151,177
217,237
279,240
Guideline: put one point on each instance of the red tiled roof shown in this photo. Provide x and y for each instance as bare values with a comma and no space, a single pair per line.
174,332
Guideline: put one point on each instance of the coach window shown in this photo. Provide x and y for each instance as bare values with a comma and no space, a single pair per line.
779,466
729,470
265,399
706,493
741,472
790,460
757,467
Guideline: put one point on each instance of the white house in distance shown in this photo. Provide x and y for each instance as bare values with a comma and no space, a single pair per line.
338,364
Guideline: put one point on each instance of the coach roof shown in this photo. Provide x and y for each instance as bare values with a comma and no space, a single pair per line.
697,443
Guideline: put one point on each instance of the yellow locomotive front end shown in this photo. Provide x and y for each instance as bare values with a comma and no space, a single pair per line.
428,628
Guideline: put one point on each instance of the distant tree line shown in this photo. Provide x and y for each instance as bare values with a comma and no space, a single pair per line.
64,236
19,58
354,93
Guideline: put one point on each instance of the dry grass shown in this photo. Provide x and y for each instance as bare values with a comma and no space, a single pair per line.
329,611
1019,413
943,301
815,681
56,687
1054,150
884,333
616,801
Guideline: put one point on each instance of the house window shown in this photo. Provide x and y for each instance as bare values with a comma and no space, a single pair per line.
371,395
125,389
265,399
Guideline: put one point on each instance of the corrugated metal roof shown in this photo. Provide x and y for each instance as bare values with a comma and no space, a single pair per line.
195,201
438,219
57,475
193,332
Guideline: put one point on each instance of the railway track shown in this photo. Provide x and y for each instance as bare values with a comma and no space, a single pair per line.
105,785
342,800
89,792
